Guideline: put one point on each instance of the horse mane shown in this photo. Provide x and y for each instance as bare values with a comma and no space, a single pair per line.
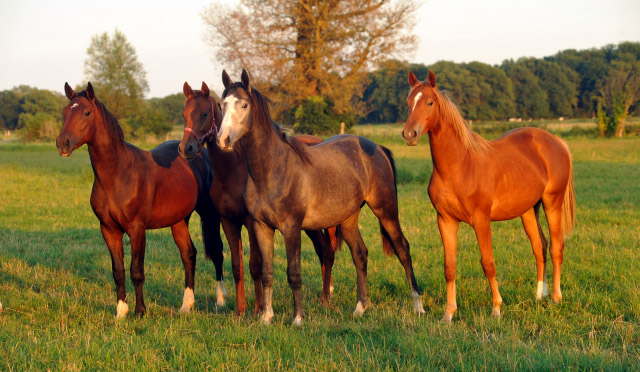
262,116
471,141
113,127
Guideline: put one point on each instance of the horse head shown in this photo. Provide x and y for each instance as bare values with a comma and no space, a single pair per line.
237,105
423,110
202,119
79,120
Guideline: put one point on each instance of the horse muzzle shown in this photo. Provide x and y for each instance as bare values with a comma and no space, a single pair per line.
65,145
411,137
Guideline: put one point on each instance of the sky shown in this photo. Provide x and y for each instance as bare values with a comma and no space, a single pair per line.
44,43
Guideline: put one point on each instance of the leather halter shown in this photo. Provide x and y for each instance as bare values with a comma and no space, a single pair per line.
202,139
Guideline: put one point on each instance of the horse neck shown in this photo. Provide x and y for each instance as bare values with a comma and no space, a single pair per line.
447,149
263,152
108,156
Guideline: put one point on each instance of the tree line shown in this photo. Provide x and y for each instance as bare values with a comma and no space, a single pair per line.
315,96
601,83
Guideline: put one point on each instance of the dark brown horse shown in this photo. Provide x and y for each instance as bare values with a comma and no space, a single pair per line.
202,121
477,181
135,190
293,187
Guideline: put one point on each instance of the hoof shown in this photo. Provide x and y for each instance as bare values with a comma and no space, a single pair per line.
417,303
267,316
446,318
121,310
556,298
541,291
495,312
187,301
221,292
359,311
297,321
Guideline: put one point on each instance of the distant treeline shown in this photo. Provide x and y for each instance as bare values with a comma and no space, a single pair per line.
600,83
568,84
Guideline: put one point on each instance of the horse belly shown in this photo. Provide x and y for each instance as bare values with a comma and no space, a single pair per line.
514,201
176,197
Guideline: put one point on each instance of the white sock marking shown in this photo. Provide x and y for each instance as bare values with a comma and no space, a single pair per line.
187,301
267,315
417,303
359,311
220,293
122,309
297,321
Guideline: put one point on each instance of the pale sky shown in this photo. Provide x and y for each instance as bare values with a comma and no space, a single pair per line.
44,43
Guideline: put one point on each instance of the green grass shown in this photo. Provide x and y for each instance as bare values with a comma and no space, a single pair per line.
59,298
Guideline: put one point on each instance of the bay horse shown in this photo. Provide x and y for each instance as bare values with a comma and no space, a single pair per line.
478,181
135,190
202,118
293,187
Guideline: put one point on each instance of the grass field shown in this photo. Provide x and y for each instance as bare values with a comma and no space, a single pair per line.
59,297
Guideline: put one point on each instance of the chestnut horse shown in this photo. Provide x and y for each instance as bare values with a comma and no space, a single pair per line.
293,187
135,190
202,120
478,181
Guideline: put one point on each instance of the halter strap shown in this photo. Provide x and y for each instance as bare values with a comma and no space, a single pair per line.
208,134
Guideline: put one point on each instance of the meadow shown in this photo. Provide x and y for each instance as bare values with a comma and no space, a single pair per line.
59,297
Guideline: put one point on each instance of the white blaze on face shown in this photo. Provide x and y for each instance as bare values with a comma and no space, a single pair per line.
230,116
74,105
416,99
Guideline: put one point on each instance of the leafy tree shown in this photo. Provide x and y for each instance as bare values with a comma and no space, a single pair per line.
531,100
170,108
9,109
387,93
619,91
113,68
305,48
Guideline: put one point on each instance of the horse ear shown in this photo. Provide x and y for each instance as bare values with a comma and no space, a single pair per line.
413,80
245,80
68,91
90,94
205,90
432,79
186,89
226,80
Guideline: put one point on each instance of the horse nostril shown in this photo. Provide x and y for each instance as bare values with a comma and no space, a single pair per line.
227,141
415,134
403,134
189,149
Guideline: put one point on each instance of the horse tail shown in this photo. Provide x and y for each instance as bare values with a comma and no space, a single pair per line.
387,248
334,234
569,205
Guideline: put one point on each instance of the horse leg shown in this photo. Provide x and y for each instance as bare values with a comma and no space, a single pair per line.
482,228
113,238
210,222
138,245
264,236
390,226
181,237
255,265
292,243
531,224
359,254
449,233
553,210
232,231
326,256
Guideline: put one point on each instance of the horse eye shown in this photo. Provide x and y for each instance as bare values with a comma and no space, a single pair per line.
87,113
431,103
245,105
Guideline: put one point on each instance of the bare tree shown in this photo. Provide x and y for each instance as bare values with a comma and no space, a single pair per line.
296,49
